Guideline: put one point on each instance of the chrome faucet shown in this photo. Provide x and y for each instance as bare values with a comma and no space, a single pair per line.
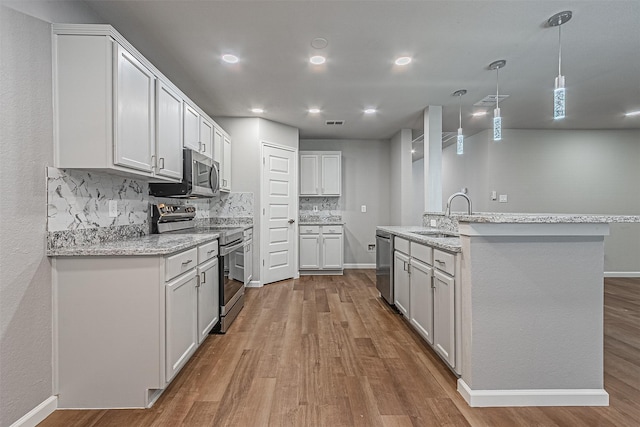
453,196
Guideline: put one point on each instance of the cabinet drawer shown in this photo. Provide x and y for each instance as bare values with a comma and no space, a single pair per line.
179,263
444,261
331,229
421,252
309,229
401,245
207,251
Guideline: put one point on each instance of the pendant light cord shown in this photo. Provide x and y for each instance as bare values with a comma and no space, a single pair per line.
559,50
460,111
497,87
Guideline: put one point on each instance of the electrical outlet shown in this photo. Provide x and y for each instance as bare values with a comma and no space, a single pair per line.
372,247
363,208
315,209
503,198
433,223
113,208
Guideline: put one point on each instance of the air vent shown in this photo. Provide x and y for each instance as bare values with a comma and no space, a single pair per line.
334,122
490,101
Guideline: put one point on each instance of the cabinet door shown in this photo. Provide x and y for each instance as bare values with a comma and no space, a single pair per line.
208,298
309,251
401,285
135,113
421,289
332,258
443,316
181,322
218,142
191,128
248,263
309,175
168,132
331,175
206,137
225,185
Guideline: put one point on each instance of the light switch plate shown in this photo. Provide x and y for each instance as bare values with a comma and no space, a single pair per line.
113,208
363,208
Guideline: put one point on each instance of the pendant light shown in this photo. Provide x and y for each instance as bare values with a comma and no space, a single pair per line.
559,92
460,140
497,120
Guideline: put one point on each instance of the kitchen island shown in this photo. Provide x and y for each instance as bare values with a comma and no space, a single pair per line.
531,309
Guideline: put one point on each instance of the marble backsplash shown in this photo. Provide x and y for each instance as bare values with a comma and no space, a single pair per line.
443,222
78,207
329,209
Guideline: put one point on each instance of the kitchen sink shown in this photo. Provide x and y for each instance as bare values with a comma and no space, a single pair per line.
434,234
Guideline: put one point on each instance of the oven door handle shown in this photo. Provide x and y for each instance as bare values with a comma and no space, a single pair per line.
226,250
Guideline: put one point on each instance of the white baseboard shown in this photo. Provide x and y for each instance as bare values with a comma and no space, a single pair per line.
550,397
254,284
622,274
360,266
38,414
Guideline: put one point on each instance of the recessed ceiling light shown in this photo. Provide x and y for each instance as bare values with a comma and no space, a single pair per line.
317,60
257,110
231,59
403,60
633,113
479,114
314,110
370,111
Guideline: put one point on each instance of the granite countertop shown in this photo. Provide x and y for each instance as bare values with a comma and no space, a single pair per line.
542,218
153,244
451,244
320,222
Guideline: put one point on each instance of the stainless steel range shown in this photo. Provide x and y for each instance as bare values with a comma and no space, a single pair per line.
178,219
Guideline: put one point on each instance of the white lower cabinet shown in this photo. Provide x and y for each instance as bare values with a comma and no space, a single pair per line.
125,325
422,299
401,282
425,288
321,249
208,298
181,317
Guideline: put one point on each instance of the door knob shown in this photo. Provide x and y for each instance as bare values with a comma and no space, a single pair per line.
291,221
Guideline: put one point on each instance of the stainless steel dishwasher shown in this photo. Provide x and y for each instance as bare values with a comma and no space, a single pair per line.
384,265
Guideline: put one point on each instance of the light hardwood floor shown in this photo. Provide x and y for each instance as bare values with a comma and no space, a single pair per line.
325,351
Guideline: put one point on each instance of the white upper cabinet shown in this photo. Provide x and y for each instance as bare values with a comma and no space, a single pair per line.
225,165
206,137
191,128
134,118
115,112
168,132
320,173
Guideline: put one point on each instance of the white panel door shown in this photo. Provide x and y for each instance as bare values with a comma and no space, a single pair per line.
421,291
169,132
135,113
309,175
208,298
443,316
401,282
331,175
279,210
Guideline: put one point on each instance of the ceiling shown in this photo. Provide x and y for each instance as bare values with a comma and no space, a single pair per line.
451,43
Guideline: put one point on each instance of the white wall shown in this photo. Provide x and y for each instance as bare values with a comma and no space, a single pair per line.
589,172
401,179
247,135
417,189
365,181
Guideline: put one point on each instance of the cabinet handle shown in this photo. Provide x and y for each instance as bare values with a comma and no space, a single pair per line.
211,251
187,262
204,277
153,161
205,147
161,162
440,261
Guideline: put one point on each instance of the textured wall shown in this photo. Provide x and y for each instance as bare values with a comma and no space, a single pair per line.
26,148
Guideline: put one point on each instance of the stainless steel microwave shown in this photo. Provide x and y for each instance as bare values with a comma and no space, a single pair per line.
200,178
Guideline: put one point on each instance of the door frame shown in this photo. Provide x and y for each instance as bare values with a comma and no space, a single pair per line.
263,193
